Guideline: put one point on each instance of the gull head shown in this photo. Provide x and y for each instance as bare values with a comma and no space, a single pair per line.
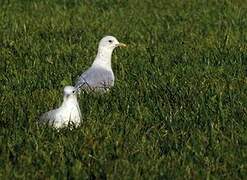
110,43
69,91
106,46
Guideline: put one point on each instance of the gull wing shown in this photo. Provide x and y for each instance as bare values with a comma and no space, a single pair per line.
95,77
48,117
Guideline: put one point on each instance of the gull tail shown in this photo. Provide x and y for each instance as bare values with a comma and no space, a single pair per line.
78,87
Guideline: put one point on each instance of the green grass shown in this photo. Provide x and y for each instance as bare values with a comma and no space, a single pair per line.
178,109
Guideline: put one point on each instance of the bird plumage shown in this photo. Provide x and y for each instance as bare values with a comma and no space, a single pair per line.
68,113
100,77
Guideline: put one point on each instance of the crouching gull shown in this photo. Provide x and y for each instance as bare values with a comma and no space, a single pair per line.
99,77
68,113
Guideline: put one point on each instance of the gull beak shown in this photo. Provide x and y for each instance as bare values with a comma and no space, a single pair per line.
122,45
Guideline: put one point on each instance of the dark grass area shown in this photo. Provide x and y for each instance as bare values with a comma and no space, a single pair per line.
178,109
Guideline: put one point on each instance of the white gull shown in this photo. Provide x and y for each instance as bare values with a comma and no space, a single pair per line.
68,113
100,77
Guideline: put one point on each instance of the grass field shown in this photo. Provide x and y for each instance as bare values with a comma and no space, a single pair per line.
178,109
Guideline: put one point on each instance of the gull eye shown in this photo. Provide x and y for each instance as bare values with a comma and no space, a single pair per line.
110,41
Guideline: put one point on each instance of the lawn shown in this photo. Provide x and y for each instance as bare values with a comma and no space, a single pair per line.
178,109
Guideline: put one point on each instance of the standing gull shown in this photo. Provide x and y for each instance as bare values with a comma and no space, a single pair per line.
68,112
100,77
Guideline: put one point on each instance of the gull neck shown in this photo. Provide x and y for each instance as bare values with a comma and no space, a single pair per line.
103,58
69,101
